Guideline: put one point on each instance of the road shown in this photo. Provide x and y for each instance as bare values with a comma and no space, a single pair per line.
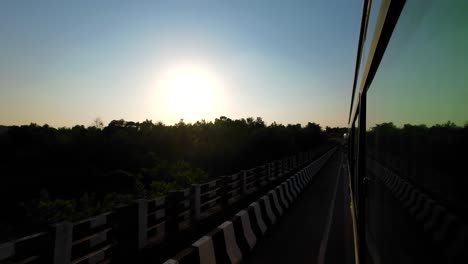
317,228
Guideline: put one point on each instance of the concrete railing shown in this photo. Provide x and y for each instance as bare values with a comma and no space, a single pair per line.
445,229
113,236
207,198
235,238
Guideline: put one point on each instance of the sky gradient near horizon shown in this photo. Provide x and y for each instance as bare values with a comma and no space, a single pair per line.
64,63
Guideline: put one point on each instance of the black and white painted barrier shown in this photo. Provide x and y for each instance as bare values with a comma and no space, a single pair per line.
447,231
237,237
124,232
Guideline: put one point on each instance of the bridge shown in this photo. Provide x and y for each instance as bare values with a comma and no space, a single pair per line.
299,209
296,207
361,201
318,226
305,218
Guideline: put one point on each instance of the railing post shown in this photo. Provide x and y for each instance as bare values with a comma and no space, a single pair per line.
7,250
270,171
224,183
263,176
172,213
244,181
161,213
257,178
275,169
285,166
126,231
197,200
63,242
279,168
142,206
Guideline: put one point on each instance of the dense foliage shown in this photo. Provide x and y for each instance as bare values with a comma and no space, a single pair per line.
50,174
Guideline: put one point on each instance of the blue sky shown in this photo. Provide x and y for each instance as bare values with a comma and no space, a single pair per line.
68,62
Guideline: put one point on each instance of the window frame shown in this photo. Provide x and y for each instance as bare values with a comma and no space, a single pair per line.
387,19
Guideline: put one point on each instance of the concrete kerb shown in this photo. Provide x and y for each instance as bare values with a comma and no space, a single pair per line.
234,239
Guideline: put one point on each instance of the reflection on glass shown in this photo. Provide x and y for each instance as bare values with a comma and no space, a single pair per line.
417,114
373,14
418,100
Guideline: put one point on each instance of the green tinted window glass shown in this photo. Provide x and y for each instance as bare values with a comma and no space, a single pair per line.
417,133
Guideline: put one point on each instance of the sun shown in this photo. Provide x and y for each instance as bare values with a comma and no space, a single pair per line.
190,92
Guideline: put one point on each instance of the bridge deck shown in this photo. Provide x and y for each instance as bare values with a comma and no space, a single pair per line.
318,226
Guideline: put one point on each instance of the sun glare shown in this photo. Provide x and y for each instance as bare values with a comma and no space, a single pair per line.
190,92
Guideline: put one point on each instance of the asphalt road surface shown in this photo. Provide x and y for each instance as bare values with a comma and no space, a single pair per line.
317,228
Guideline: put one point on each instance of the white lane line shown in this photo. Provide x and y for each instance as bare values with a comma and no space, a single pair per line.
326,234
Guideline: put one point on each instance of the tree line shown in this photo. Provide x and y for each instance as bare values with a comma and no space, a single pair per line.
432,157
51,174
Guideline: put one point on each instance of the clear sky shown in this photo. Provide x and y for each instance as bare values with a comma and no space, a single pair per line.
67,62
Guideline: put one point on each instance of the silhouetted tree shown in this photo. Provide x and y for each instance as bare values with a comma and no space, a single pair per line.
433,158
80,170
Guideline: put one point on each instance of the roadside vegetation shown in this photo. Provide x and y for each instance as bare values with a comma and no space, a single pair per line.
54,174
